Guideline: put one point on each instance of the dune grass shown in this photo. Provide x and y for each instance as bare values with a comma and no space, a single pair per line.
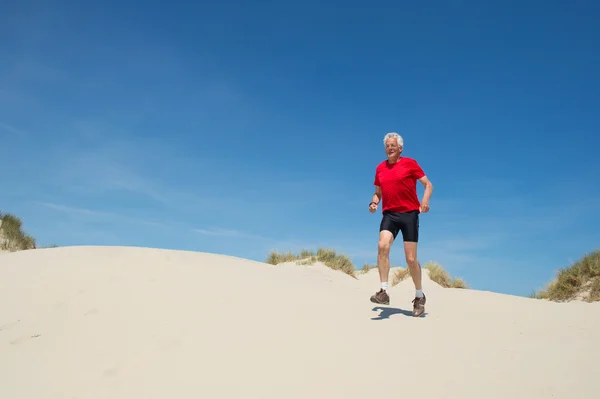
12,236
367,267
581,281
399,274
436,273
441,276
327,256
276,258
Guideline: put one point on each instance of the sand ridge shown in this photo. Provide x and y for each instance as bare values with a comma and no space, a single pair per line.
126,322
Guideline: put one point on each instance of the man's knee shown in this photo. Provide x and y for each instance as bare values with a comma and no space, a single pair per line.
383,247
385,242
411,260
410,250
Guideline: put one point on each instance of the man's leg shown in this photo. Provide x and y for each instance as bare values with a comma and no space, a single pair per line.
386,238
411,239
410,252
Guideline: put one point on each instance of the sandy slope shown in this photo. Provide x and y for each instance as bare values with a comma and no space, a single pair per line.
97,322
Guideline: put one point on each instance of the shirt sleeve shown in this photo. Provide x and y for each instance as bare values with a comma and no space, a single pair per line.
417,171
376,181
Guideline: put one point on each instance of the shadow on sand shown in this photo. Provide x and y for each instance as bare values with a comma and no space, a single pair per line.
387,312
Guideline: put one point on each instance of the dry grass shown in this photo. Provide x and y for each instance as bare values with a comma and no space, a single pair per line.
459,283
581,281
400,273
441,276
12,237
594,295
436,273
368,267
327,256
276,258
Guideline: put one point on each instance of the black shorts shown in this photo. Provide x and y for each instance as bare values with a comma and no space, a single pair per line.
406,222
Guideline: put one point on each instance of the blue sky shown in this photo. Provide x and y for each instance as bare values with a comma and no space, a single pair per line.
241,127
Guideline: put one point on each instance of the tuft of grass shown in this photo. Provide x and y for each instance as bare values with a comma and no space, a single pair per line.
367,267
327,256
336,261
12,236
438,274
459,283
275,258
581,280
441,276
399,275
594,295
310,260
305,253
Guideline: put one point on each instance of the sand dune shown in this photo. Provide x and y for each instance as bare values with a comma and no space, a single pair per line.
117,322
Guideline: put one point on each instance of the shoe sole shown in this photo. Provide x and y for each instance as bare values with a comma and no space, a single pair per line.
420,314
380,303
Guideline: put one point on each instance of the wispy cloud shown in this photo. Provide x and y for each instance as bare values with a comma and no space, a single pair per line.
95,174
226,233
86,214
74,210
96,215
218,232
12,129
159,177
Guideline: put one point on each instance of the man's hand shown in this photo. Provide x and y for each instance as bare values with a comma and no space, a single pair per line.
375,200
373,207
424,208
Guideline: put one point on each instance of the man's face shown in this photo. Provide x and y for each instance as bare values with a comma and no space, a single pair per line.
391,148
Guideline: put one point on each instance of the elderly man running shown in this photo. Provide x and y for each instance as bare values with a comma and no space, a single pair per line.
395,185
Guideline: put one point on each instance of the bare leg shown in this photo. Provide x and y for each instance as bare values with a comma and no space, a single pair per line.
383,255
383,264
410,252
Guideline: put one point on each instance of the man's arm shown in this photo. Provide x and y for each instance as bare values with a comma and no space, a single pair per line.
428,190
377,196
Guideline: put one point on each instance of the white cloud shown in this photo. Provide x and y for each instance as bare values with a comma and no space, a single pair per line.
95,215
12,129
225,233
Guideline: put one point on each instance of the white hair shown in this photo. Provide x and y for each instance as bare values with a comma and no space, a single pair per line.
393,135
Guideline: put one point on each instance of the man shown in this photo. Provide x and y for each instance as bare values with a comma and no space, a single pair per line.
396,187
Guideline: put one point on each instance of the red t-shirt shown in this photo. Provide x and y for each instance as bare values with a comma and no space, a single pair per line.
398,184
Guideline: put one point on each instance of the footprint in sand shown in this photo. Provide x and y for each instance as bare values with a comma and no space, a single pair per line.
24,338
91,311
9,325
